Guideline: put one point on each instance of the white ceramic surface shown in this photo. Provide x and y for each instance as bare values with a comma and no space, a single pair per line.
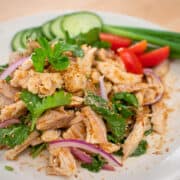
165,166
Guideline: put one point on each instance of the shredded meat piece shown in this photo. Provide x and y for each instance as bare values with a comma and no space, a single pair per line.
76,101
108,86
130,87
7,90
74,79
61,162
54,119
14,110
27,65
109,147
85,63
37,141
113,73
95,75
5,101
95,127
13,153
76,131
162,69
134,137
159,117
44,84
78,118
50,135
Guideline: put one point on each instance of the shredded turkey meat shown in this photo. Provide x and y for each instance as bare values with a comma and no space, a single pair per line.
68,105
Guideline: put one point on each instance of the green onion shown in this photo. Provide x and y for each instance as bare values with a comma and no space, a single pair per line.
144,35
169,35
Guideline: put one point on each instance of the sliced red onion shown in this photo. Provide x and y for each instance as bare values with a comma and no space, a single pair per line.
149,72
108,167
85,146
12,68
81,155
86,158
103,91
9,122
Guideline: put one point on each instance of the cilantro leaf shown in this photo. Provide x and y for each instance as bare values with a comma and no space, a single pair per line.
13,135
37,105
96,165
114,121
54,55
74,48
59,63
38,58
36,150
141,149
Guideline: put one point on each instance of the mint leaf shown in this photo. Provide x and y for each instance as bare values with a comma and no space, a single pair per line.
126,97
13,135
119,152
141,149
37,105
90,38
114,121
96,165
36,150
148,132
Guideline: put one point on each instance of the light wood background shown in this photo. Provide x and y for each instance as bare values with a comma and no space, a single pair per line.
163,12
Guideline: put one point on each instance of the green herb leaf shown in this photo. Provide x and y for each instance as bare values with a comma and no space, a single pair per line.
126,97
148,132
101,44
3,67
38,58
112,139
37,105
91,38
114,121
96,165
36,150
13,135
124,110
141,149
53,55
8,78
60,63
8,168
119,152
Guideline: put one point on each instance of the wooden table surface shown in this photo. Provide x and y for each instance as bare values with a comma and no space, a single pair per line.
162,12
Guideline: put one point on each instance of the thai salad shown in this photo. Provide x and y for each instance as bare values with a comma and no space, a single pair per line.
86,92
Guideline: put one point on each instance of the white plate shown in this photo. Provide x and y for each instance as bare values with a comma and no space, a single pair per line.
150,166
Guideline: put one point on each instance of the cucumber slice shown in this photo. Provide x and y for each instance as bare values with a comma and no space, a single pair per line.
16,42
55,28
46,30
32,33
80,22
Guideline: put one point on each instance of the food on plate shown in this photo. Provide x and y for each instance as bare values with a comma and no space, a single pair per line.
86,92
